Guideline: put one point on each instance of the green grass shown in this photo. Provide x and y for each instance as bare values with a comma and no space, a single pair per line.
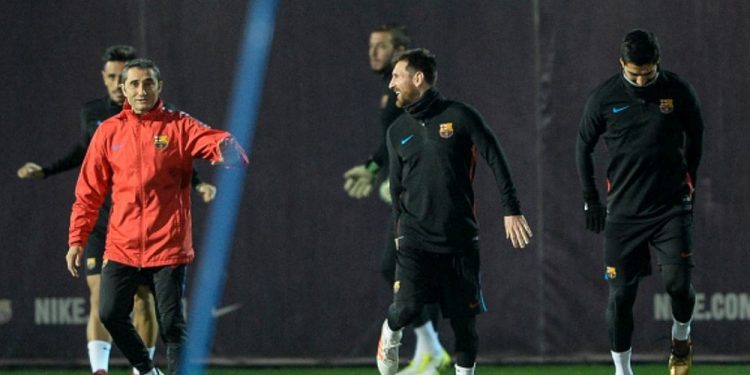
639,369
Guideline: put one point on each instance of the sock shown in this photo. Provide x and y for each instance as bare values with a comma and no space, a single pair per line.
427,341
390,336
622,362
680,331
151,352
99,355
465,370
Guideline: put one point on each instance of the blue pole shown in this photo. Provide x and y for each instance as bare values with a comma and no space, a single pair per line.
213,255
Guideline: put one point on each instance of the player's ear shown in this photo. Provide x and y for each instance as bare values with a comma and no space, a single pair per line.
418,78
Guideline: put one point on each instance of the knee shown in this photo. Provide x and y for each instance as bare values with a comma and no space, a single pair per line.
401,314
143,306
107,314
622,296
172,327
677,281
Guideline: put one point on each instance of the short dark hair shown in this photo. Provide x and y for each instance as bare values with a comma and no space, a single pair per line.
421,60
140,63
640,47
399,34
119,53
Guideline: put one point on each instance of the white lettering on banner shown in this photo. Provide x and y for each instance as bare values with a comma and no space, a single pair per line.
60,311
715,306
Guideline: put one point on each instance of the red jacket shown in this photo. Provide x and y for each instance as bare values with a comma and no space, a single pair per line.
148,162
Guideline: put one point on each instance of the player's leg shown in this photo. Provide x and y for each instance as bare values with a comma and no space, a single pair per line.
620,324
118,287
467,344
429,354
169,290
428,346
144,319
462,300
411,290
99,342
627,260
674,250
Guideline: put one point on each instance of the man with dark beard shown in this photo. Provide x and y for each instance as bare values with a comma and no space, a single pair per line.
385,41
432,158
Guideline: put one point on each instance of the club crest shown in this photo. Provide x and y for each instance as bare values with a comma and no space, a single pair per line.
161,142
611,273
446,130
666,106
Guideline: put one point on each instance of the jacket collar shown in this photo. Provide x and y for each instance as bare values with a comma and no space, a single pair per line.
158,108
429,105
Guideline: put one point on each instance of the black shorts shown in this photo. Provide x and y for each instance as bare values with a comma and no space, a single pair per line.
94,253
626,249
452,280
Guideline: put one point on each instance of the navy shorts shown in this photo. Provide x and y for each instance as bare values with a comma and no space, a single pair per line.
452,280
93,253
627,247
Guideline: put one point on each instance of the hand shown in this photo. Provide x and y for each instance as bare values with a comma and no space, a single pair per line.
596,215
207,191
73,259
517,230
359,181
30,170
231,154
385,192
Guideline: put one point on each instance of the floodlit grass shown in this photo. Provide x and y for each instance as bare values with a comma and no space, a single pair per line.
640,369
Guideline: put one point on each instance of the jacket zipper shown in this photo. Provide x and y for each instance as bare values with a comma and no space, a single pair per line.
142,192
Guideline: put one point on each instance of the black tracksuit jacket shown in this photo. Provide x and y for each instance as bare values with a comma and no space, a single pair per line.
433,151
653,136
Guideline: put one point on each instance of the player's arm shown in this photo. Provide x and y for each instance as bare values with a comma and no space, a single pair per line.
517,230
205,189
589,129
217,146
693,135
395,168
91,189
72,159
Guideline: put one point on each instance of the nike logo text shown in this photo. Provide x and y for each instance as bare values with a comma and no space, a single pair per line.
406,139
116,147
619,109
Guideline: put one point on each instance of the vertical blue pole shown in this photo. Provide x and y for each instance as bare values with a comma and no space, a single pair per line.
208,285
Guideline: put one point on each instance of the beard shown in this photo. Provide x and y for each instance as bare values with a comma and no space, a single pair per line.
407,97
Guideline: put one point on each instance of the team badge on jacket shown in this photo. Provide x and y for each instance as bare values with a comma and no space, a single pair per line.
446,130
611,273
666,106
161,142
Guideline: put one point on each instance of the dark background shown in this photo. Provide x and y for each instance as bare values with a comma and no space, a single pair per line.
305,259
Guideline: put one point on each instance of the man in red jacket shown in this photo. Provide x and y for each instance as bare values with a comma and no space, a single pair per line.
145,153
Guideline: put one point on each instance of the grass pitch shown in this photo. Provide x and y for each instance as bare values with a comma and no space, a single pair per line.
639,369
